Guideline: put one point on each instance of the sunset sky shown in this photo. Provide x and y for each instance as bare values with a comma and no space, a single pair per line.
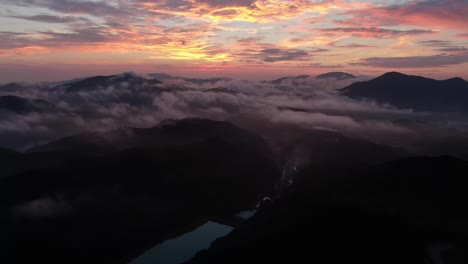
252,39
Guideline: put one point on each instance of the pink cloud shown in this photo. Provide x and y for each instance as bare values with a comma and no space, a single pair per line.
372,32
436,13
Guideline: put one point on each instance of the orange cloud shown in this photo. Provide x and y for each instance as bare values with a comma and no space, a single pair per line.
23,51
261,11
372,32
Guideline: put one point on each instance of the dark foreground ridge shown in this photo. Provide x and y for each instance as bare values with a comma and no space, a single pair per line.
407,211
106,197
103,204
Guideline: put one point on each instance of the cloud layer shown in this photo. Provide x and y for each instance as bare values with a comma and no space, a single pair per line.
105,103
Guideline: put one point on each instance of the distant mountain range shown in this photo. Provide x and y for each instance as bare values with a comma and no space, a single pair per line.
133,82
168,133
393,88
21,105
10,87
413,92
331,75
198,81
125,80
336,75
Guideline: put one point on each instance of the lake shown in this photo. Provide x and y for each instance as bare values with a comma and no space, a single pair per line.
182,248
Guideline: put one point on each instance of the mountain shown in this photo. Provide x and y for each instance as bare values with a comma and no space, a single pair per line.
331,75
11,87
58,83
22,105
125,81
413,92
336,75
168,133
7,155
290,79
222,90
156,184
198,81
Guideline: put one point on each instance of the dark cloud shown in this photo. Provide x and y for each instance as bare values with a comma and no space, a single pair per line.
227,3
86,35
438,60
351,45
188,4
52,19
453,49
444,46
320,65
255,39
276,54
171,4
99,8
225,13
12,40
373,32
436,43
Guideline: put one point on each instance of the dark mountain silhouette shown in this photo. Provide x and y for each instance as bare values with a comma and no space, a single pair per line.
166,133
321,146
199,81
157,184
125,81
106,197
398,212
290,79
11,87
22,105
336,75
413,92
221,90
7,155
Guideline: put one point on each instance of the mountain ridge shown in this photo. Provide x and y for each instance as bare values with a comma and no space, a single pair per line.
413,92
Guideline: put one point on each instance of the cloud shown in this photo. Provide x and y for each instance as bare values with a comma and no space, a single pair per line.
95,8
350,45
244,10
232,33
85,35
435,13
227,3
444,46
52,19
373,32
344,124
436,43
438,60
306,102
127,103
275,54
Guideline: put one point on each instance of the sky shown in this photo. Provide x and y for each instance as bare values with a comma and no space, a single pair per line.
251,39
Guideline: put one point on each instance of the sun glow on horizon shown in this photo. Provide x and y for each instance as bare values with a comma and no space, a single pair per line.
302,36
